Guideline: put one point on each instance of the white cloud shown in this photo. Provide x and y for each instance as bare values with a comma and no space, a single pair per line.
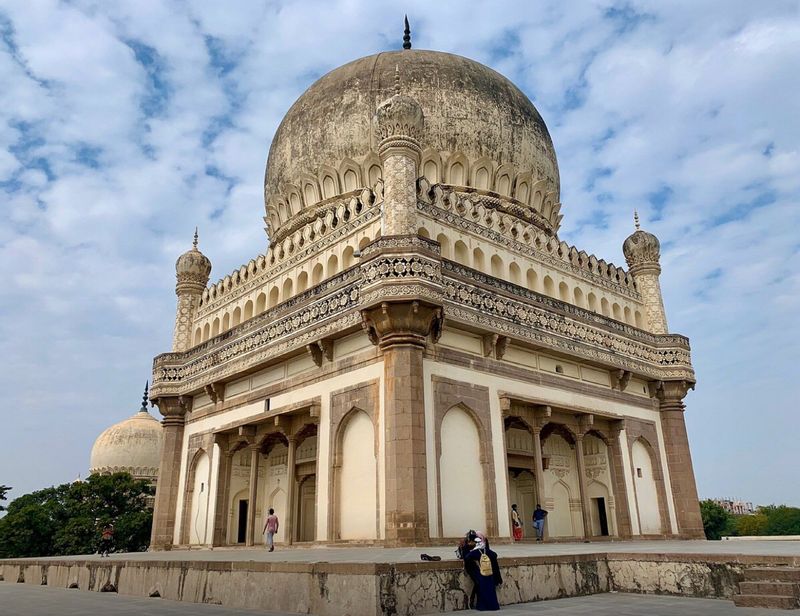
696,97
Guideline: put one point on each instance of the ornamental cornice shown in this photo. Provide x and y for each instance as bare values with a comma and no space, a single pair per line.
577,263
403,269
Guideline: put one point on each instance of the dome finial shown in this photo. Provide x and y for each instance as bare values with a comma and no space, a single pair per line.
406,34
144,397
636,219
194,243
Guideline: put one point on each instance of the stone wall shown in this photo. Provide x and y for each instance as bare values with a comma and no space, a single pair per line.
405,589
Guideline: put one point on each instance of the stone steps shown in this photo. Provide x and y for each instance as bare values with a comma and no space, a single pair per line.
769,587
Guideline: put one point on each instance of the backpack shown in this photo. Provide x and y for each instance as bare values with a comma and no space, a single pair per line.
485,565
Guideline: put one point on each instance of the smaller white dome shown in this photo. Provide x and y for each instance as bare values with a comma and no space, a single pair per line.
132,446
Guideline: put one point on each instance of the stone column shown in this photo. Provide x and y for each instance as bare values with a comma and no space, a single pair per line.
401,329
222,506
174,410
586,510
538,466
670,395
253,494
288,524
617,468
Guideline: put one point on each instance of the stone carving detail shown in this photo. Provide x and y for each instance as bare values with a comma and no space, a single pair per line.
469,297
330,222
462,210
400,195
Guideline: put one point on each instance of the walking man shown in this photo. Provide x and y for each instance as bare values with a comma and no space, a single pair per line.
271,527
539,515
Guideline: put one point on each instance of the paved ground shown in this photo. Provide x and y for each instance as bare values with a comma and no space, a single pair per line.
396,555
25,600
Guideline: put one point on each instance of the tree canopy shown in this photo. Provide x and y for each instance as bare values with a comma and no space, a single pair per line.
715,519
3,491
67,519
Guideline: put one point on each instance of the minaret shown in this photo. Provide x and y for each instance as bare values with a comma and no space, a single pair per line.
642,251
399,122
192,270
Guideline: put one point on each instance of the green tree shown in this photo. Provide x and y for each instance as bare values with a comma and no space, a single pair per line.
3,491
782,520
67,519
751,525
715,519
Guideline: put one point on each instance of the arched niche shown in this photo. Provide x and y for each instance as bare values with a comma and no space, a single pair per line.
461,474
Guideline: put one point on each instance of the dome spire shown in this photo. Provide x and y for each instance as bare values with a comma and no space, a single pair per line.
144,398
194,243
406,33
636,220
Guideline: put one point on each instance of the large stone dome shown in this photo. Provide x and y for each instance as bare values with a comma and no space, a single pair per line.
132,446
479,131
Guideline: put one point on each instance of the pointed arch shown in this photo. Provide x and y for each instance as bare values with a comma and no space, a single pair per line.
461,472
504,180
458,170
248,310
261,303
349,175
482,173
356,476
431,165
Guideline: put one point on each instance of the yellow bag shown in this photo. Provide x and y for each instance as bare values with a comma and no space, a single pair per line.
485,565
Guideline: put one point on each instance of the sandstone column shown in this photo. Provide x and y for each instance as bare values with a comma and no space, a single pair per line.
401,330
192,271
585,501
670,395
174,409
538,466
222,506
253,494
288,516
617,469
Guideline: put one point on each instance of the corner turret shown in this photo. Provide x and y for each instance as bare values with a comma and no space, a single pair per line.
642,251
192,270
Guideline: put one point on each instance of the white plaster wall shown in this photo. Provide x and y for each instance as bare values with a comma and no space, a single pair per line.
646,493
557,397
198,514
358,496
629,488
463,494
323,389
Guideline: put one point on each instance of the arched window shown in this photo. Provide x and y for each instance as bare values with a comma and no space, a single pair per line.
549,286
302,282
274,297
333,266
563,292
577,294
444,242
514,273
532,279
592,302
348,260
287,289
316,274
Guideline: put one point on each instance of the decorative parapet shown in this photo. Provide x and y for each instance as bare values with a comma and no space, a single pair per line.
516,227
327,224
409,268
531,317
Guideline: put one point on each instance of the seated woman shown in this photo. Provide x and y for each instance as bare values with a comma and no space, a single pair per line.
481,565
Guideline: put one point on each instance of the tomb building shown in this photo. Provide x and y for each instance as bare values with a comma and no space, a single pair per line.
417,349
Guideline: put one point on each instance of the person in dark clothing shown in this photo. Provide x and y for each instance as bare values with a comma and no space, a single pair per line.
106,540
481,565
539,515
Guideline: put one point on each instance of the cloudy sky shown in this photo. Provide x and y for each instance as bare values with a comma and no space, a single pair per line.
124,124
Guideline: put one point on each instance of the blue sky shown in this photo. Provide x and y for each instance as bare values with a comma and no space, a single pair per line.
123,125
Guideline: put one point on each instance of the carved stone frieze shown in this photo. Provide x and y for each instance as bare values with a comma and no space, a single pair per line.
403,271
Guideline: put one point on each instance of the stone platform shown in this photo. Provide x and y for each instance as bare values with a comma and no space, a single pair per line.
374,581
